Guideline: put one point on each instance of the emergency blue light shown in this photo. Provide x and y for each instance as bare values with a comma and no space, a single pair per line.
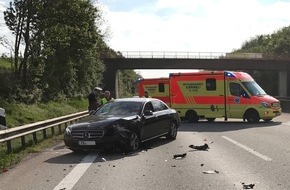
229,74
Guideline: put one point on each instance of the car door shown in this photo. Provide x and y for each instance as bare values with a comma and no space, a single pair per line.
148,122
161,111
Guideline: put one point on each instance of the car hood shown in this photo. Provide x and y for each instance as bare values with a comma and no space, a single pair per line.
99,122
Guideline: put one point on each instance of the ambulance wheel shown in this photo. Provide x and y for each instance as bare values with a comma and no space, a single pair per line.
210,119
252,116
191,116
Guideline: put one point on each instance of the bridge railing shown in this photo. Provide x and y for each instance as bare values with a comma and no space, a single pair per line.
189,55
6,136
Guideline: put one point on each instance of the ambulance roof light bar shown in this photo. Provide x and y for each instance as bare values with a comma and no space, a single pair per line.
229,74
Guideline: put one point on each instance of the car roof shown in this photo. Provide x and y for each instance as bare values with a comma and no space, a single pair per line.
134,99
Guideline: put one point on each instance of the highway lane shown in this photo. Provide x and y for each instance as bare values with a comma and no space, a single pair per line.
256,154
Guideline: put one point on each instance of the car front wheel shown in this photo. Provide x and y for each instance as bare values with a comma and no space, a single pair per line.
134,142
172,133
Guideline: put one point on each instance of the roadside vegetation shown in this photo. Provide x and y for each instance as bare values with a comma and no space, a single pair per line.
55,60
272,46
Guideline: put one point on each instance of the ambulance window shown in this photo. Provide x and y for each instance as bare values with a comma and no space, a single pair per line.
237,90
210,84
161,87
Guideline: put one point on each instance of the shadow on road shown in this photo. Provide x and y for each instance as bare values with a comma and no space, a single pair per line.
109,155
222,126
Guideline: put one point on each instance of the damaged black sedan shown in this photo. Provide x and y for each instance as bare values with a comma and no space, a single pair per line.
124,123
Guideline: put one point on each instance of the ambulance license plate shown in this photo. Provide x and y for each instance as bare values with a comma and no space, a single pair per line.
87,143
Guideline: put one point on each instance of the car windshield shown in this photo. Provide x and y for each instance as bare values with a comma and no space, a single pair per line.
254,88
120,108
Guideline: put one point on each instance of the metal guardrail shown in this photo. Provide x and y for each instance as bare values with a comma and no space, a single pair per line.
20,132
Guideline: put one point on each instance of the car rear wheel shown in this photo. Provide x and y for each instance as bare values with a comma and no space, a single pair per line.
134,142
172,133
252,116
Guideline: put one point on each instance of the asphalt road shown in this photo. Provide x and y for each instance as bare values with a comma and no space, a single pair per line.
240,154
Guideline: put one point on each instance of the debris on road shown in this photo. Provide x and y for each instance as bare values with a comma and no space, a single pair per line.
248,186
211,172
179,156
202,147
201,164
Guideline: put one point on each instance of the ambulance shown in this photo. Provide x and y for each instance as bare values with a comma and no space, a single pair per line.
156,88
220,94
213,94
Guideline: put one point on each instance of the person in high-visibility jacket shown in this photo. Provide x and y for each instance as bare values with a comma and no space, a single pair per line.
146,94
107,97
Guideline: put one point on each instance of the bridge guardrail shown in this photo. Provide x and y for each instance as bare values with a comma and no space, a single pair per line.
20,132
190,55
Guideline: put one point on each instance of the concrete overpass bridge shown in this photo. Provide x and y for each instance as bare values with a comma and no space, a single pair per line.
196,60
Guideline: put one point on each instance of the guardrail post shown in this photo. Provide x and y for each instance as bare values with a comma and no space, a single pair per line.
52,131
9,146
23,141
44,133
59,129
34,137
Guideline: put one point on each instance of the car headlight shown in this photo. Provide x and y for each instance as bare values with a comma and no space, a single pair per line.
265,104
68,131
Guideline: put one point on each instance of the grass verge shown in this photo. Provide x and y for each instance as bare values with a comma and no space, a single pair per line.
21,114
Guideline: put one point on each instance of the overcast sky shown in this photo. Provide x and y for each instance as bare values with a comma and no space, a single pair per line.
187,25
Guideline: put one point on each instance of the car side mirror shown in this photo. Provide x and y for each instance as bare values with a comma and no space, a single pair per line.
148,112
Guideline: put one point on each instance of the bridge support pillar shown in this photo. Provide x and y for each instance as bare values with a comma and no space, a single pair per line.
111,80
283,83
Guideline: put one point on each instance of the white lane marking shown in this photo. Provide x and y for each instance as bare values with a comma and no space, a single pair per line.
248,149
72,178
287,123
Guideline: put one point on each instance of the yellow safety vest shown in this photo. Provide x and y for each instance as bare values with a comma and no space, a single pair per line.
104,100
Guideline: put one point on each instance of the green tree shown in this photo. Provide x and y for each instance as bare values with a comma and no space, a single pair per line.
62,45
273,46
128,79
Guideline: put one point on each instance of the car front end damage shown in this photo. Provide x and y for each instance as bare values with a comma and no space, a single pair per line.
84,136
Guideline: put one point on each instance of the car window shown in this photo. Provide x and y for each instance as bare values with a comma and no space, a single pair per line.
148,106
158,105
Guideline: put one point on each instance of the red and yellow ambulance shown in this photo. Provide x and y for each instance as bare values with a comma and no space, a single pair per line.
156,88
214,94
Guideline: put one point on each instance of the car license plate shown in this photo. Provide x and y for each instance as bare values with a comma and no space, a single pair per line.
87,143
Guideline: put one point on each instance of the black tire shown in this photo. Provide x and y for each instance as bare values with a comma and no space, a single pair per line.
267,120
252,116
172,133
210,119
191,117
134,142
